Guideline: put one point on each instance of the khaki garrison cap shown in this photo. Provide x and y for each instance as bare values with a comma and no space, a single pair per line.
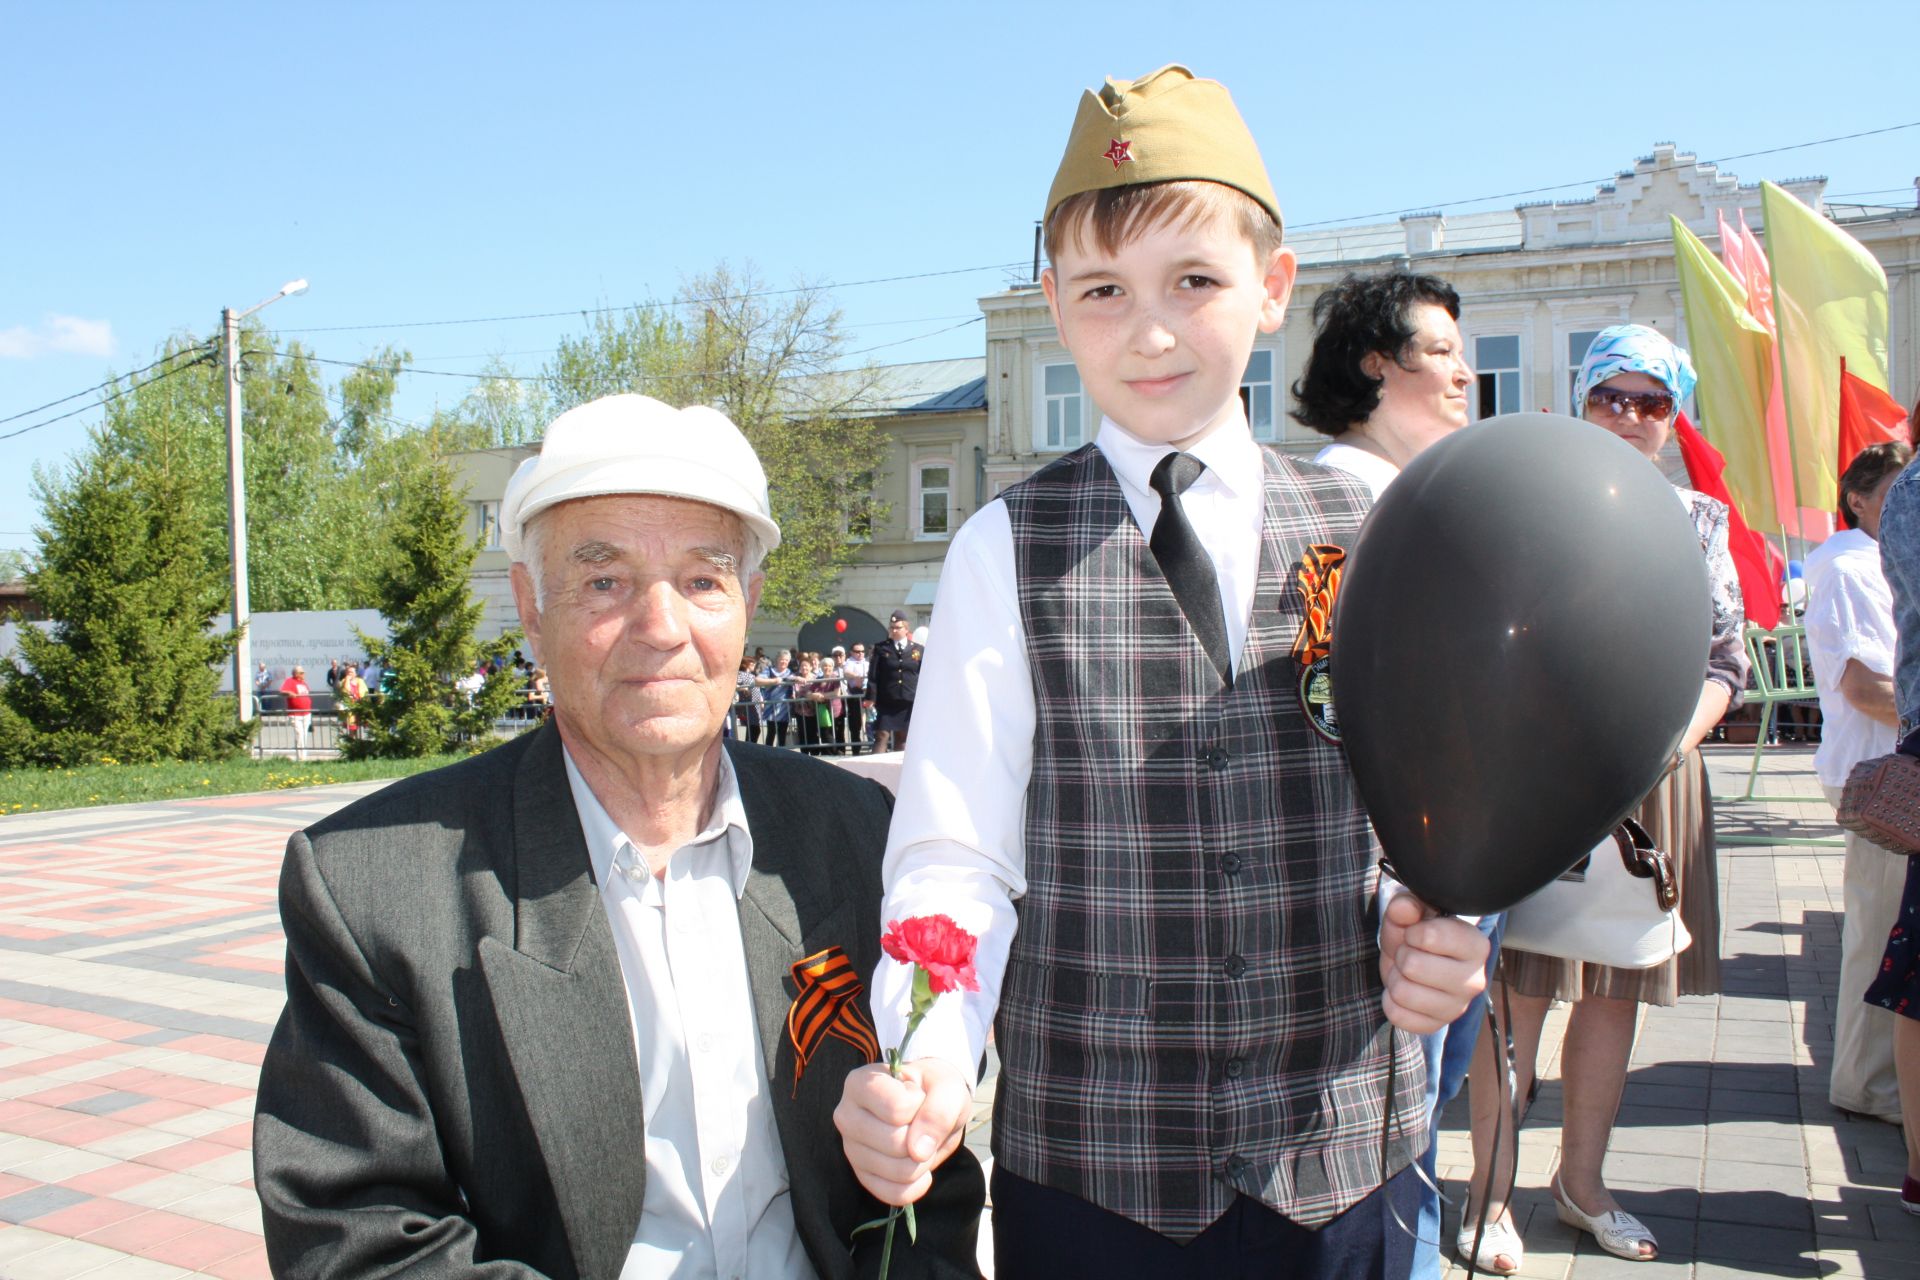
1164,127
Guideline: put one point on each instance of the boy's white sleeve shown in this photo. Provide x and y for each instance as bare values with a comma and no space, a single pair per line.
956,844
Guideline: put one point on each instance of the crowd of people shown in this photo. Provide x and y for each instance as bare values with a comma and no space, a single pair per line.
612,998
845,702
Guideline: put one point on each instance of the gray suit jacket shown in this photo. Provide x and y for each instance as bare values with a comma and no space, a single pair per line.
452,1088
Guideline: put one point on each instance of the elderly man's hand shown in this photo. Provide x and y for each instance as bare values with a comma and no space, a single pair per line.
1433,966
898,1131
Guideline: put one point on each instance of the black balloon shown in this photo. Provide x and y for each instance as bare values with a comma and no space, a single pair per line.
1518,645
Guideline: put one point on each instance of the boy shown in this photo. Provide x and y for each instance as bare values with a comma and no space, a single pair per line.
1135,745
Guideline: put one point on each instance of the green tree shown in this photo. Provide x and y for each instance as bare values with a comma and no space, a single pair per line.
14,564
431,615
769,362
310,525
129,670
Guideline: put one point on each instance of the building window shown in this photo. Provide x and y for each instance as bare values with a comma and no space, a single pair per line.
932,506
1256,393
1064,412
1496,358
488,515
859,503
1577,343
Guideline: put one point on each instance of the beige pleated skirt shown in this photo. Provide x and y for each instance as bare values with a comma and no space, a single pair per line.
1678,814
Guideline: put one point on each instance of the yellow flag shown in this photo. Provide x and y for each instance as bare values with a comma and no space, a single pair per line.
1733,354
1830,301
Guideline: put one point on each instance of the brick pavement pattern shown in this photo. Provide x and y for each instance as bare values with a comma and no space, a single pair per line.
142,975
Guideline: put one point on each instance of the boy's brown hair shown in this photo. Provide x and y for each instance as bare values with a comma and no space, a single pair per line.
1114,217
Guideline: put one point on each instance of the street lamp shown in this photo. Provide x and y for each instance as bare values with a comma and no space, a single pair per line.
237,495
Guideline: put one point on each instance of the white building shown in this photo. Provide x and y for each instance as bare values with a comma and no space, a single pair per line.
1536,282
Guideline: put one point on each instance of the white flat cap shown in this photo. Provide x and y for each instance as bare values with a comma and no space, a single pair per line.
635,444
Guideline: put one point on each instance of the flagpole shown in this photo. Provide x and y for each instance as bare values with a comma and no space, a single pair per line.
1786,391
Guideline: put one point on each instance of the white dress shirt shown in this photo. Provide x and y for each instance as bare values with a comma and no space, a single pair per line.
957,843
1370,469
717,1203
1849,616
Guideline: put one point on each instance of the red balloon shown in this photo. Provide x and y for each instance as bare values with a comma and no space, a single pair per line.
840,625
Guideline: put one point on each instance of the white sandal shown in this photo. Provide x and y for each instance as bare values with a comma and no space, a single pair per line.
1497,1241
1618,1232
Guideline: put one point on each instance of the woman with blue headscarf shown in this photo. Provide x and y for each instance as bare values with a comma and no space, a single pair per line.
1632,383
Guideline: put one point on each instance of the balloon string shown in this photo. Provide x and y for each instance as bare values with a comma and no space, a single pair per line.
1508,1088
1507,1096
1386,1131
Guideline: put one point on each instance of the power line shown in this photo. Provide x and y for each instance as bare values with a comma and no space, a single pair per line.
678,302
28,413
550,351
1561,186
521,377
916,337
106,400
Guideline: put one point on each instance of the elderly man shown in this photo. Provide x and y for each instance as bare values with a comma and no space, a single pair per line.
581,1006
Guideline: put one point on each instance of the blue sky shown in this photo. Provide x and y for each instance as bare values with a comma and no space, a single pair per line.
425,162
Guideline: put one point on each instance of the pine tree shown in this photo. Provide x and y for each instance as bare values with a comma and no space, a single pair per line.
130,668
431,615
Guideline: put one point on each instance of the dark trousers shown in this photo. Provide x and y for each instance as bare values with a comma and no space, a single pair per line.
1043,1234
776,731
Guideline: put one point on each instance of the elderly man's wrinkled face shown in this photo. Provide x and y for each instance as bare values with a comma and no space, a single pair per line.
645,611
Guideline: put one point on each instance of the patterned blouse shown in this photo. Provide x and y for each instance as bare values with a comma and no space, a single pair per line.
1727,657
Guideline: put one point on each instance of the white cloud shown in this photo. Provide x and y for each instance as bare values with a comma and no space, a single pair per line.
57,335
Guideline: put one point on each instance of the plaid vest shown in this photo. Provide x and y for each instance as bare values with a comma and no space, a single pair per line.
1192,1005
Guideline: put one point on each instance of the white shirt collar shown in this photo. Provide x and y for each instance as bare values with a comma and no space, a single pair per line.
605,840
1232,458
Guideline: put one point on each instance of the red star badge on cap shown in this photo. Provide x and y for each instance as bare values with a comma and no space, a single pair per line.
1120,152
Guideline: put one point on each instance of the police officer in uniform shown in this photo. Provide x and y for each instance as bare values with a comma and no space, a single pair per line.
893,677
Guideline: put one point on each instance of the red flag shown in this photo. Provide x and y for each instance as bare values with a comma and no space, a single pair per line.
1760,567
1868,415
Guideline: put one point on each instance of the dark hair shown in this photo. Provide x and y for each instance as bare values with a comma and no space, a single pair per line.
1355,318
1869,467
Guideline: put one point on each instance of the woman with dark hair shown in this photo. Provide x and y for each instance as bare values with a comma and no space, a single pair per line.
1388,377
1631,382
1388,374
1897,986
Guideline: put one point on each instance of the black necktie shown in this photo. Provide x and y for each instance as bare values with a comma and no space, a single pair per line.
1185,562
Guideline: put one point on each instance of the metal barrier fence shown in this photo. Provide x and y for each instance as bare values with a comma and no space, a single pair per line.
850,733
281,734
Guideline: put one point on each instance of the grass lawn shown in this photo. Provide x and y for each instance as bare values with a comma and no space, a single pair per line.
109,782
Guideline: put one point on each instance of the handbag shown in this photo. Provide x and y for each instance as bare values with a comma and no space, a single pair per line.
1617,906
1881,803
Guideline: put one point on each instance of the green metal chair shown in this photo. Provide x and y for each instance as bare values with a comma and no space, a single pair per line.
1782,673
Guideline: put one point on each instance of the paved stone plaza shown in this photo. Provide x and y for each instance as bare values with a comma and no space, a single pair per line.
141,977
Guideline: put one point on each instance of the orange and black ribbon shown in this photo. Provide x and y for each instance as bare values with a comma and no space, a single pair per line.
1319,580
828,1005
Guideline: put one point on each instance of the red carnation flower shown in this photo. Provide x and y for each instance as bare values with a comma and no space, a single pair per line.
939,946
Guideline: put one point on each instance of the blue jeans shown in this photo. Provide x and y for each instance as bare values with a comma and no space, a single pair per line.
1448,1051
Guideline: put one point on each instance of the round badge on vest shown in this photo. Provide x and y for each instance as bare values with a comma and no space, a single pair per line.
1316,699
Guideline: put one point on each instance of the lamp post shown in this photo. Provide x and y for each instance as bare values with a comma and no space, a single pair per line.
237,495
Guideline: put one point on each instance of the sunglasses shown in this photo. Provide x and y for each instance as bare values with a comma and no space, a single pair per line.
1652,406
